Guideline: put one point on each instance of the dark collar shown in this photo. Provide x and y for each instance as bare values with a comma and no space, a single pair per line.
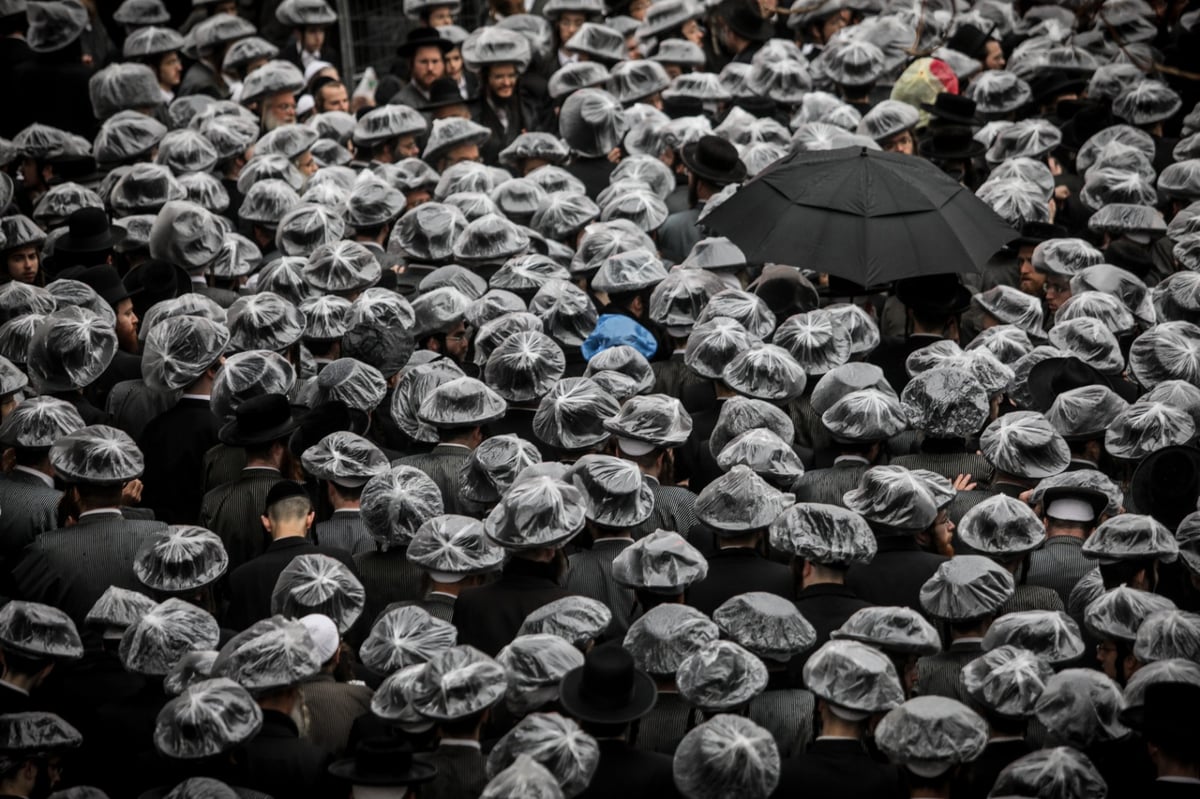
897,543
826,589
291,542
278,725
518,568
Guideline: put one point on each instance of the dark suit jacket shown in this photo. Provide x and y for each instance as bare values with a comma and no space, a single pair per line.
251,584
891,354
234,512
331,708
461,772
594,172
941,674
388,577
980,775
896,573
826,606
830,485
68,106
489,616
70,568
29,508
174,444
630,773
201,79
674,510
279,762
837,769
737,571
133,405
442,464
591,576
344,530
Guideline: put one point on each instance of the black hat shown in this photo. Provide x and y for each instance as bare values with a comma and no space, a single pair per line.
953,109
1047,83
969,40
384,761
608,688
444,92
1090,118
284,489
744,20
713,159
1129,255
843,287
1036,232
1166,484
1055,376
154,281
423,37
88,230
1167,714
951,143
328,417
680,107
934,294
73,168
259,420
762,107
106,282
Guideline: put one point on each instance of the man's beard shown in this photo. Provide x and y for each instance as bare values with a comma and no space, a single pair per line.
127,340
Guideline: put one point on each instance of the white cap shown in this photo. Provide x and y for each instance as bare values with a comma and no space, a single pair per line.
635,448
324,634
1071,510
446,577
305,104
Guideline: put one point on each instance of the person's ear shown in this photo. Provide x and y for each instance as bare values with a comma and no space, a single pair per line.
266,523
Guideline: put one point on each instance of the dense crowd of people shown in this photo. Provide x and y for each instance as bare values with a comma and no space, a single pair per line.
411,433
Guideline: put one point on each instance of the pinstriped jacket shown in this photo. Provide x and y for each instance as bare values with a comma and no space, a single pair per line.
344,530
442,464
674,510
29,509
590,575
234,512
70,568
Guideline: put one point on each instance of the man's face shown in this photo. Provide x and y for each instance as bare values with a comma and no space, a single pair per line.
306,164
457,340
279,109
30,175
127,323
993,55
502,80
23,264
568,23
440,17
1106,656
170,70
427,66
454,64
1058,291
693,32
834,23
943,534
463,152
226,7
419,197
1031,280
312,39
406,147
334,98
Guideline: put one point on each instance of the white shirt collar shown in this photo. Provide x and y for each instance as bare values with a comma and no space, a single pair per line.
852,459
45,478
465,743
14,687
197,280
1180,780
355,511
101,512
205,397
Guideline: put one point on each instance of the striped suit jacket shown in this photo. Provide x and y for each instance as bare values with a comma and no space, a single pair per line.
664,726
674,510
442,464
330,708
672,377
70,568
461,773
787,714
590,575
830,485
222,464
29,508
1059,564
133,404
440,606
234,512
388,577
941,674
344,530
949,464
1032,597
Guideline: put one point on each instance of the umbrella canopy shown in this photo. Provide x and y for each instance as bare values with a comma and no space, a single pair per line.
864,215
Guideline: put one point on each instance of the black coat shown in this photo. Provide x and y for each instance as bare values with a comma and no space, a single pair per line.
735,571
630,773
594,172
980,775
13,53
251,584
891,354
279,762
234,511
174,444
837,769
488,617
896,573
826,606
68,106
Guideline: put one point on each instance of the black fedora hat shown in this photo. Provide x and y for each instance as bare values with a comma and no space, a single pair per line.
444,92
1166,484
88,230
951,143
105,281
713,159
320,421
744,20
1167,713
1054,376
1089,119
1049,83
953,109
154,281
934,294
1034,233
259,420
679,107
607,688
969,40
384,761
423,37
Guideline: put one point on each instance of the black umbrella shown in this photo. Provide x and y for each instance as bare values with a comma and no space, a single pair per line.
864,215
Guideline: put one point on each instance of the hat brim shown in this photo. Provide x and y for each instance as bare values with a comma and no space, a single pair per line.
433,106
759,33
641,700
688,155
420,771
114,236
1042,390
1142,483
231,434
946,116
1097,499
974,150
409,49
